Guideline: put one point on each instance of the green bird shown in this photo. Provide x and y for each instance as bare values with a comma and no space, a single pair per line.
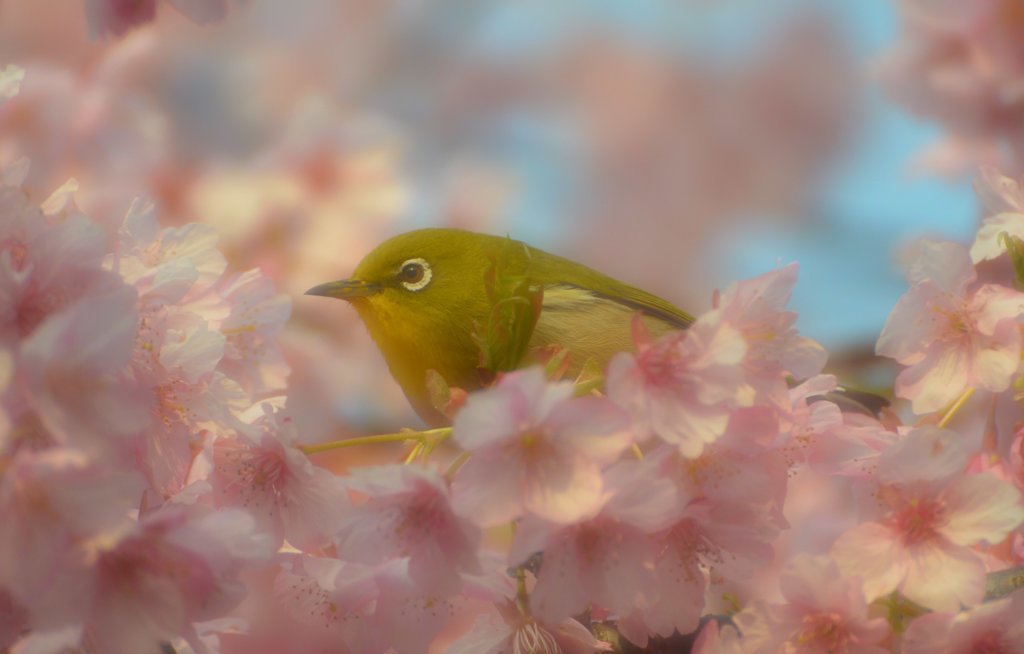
424,296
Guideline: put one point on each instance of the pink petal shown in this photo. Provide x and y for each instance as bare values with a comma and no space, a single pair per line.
560,590
937,380
987,244
488,488
563,489
943,263
489,635
914,323
871,551
942,576
593,427
926,454
980,508
928,634
194,354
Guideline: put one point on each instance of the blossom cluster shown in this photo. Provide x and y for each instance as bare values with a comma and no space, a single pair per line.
960,63
155,493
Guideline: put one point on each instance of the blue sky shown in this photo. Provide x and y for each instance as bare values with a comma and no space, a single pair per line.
871,205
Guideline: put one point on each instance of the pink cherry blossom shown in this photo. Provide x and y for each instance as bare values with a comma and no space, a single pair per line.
810,424
404,617
731,513
929,514
606,559
683,386
514,633
202,335
1003,202
960,63
53,504
118,16
997,192
995,627
73,373
324,592
950,334
170,263
534,448
407,513
257,314
756,307
47,262
266,474
824,612
177,566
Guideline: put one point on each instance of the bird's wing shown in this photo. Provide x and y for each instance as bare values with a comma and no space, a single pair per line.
563,294
556,273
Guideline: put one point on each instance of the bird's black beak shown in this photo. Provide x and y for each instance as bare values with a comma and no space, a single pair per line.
345,289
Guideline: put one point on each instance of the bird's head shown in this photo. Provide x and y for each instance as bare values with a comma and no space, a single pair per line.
428,279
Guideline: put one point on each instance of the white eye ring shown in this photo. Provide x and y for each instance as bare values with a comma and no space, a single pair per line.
415,274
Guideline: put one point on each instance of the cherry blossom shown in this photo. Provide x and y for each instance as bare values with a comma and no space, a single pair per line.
175,567
202,335
404,617
407,513
731,513
824,612
48,260
951,335
607,558
257,314
324,592
534,449
682,386
73,372
756,308
994,628
1003,202
929,514
265,473
54,504
959,63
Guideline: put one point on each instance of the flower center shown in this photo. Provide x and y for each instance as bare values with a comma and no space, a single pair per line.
916,520
821,632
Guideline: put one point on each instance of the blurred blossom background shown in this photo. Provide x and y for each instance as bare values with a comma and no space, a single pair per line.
675,144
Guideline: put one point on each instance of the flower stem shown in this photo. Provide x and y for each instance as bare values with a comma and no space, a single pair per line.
454,466
399,437
960,401
414,452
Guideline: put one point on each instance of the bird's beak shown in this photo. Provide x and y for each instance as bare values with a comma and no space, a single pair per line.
345,289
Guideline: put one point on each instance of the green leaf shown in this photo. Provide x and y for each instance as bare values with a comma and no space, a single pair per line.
1015,248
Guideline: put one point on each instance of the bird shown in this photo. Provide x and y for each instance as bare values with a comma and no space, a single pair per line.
423,296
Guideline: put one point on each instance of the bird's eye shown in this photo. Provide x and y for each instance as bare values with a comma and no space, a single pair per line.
414,274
